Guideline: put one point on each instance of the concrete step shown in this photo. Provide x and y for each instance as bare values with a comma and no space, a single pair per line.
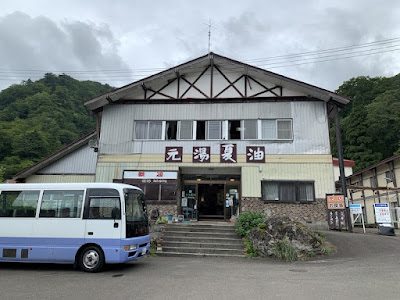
180,254
194,228
235,240
167,244
192,250
169,233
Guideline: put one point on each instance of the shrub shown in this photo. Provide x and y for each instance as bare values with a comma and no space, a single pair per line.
249,250
247,221
162,220
285,251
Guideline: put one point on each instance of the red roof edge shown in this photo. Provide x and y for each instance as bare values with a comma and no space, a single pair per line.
346,162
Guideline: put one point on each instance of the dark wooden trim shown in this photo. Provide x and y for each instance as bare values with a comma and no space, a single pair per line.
159,91
193,84
231,84
215,100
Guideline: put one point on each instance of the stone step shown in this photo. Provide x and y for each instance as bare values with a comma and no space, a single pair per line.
194,228
202,245
169,233
192,250
235,240
181,254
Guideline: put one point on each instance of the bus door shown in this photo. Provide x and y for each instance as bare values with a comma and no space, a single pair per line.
102,216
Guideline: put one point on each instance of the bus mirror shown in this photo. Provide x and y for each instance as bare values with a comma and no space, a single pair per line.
115,213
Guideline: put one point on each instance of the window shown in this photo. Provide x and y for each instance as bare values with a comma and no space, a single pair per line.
135,207
148,130
18,203
186,130
288,191
250,129
276,129
284,129
171,129
388,177
372,182
61,204
103,204
200,130
214,130
234,130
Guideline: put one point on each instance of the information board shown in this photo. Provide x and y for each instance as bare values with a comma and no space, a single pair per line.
382,213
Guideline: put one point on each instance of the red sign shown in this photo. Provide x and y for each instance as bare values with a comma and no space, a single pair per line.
228,153
173,154
201,154
255,154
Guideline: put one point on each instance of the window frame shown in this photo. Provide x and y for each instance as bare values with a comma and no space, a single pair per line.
296,184
162,130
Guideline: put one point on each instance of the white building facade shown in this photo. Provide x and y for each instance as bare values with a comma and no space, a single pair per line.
213,137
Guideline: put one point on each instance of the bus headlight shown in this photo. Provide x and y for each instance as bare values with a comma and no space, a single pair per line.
130,247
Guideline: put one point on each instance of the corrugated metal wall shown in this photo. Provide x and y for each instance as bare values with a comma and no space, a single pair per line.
60,178
310,126
80,161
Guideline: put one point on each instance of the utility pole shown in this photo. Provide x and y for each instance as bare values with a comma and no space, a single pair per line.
341,167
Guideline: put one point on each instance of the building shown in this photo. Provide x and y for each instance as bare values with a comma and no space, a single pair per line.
376,184
213,137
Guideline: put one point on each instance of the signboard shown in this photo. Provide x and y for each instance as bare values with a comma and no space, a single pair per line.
151,176
201,154
355,209
382,213
335,201
228,153
173,154
255,154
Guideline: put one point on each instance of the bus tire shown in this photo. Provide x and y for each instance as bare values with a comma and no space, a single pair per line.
91,259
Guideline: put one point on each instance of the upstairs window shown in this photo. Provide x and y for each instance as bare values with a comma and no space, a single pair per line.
171,129
250,129
186,130
214,130
276,129
148,130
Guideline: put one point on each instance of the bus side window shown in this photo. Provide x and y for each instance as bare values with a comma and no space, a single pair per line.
61,204
18,204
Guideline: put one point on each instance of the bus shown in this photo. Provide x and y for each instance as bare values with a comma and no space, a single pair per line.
85,224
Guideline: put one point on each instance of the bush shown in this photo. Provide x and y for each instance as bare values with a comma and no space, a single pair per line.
247,221
162,220
285,251
249,250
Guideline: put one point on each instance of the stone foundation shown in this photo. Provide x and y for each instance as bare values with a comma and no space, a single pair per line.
164,209
312,215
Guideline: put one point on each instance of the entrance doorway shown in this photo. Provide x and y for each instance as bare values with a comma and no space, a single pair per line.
211,201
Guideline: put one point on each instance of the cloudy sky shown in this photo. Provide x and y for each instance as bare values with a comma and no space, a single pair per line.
323,43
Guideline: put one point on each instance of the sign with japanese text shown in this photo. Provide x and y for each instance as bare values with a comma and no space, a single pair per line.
355,209
335,201
382,213
228,153
201,154
173,154
255,154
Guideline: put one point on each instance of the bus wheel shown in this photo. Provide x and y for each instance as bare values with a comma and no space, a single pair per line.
91,259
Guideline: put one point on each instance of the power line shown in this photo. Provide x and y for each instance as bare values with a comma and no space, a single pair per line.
273,62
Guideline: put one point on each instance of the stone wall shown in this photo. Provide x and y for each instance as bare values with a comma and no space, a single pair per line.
164,209
311,214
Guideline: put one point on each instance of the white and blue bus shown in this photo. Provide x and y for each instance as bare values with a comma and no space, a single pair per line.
86,224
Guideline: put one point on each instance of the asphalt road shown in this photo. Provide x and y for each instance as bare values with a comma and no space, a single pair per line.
364,267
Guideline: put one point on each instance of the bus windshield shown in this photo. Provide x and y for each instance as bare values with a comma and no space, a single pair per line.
135,206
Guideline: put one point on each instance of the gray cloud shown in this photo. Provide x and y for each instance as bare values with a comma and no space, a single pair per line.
41,44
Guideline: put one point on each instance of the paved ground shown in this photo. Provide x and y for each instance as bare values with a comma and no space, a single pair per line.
366,266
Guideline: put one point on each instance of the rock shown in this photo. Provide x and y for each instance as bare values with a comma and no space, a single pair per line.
278,231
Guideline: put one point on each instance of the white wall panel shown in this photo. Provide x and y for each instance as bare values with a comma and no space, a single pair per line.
310,126
80,161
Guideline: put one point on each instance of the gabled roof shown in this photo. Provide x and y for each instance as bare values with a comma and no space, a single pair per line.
55,156
212,59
